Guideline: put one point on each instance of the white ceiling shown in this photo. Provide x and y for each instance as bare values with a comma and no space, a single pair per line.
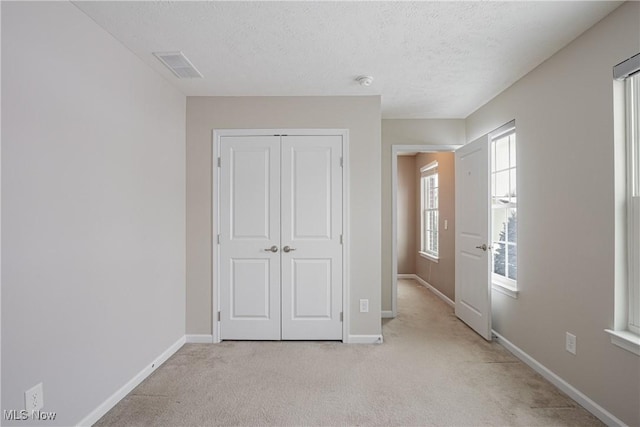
429,59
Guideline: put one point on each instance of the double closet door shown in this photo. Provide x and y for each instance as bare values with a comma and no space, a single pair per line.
280,237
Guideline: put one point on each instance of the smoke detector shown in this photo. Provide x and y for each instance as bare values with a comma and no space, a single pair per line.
364,80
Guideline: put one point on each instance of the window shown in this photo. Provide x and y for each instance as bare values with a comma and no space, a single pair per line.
627,307
504,207
429,210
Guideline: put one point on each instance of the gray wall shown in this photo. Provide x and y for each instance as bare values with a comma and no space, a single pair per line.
407,210
408,132
441,274
93,221
361,115
566,214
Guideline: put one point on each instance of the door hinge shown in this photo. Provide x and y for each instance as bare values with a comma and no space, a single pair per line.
219,161
341,316
341,162
218,239
341,239
219,316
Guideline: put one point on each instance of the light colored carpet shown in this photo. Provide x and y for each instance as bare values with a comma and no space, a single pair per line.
431,370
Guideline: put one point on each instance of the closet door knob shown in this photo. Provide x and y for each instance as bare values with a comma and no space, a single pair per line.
273,249
287,249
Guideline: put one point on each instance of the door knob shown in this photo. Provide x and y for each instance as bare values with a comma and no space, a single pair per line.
483,247
273,249
287,249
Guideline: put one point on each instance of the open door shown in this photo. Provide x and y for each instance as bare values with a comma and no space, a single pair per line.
473,253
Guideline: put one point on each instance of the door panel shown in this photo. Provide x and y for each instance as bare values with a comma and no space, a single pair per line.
250,284
473,285
311,283
312,226
311,191
250,224
250,187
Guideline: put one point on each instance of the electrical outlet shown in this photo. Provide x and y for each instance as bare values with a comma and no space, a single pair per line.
364,306
34,398
570,343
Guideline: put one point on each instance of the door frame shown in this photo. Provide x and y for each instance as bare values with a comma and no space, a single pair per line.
215,215
396,150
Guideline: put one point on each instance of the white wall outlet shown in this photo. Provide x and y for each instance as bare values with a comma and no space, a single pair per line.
570,343
34,398
364,306
446,224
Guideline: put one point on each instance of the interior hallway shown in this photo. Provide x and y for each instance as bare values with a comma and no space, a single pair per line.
431,370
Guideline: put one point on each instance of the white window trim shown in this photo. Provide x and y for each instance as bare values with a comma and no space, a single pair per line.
627,335
426,171
428,256
626,340
502,284
632,98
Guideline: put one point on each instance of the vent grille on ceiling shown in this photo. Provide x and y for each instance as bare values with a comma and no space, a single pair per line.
178,64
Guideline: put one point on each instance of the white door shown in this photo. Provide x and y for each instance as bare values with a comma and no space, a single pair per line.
250,237
280,244
311,232
473,256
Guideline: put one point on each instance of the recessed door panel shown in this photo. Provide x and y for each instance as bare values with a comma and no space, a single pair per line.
311,192
250,192
311,283
251,288
471,295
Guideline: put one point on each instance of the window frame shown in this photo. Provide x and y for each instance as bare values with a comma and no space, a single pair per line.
632,125
427,172
500,283
626,331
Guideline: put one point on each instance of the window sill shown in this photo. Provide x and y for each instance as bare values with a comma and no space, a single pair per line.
429,257
625,339
506,290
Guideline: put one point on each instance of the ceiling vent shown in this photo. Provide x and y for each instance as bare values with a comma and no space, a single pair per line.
178,64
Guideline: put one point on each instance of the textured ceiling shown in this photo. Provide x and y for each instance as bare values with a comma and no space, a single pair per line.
429,59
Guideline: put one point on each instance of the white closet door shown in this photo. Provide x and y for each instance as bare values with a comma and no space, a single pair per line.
311,237
250,227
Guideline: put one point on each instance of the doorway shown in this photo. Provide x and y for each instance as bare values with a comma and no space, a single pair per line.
396,152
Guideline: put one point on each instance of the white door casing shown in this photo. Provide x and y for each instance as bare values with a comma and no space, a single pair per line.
280,192
473,254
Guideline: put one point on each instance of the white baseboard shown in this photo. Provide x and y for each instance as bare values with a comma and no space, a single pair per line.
199,339
405,276
364,339
116,397
439,294
605,416
387,314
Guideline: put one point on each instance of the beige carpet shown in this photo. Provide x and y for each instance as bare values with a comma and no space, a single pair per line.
431,370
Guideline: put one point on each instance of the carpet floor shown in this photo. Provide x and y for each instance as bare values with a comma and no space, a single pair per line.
431,370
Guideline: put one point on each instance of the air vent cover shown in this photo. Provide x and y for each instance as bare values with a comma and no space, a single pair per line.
178,64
